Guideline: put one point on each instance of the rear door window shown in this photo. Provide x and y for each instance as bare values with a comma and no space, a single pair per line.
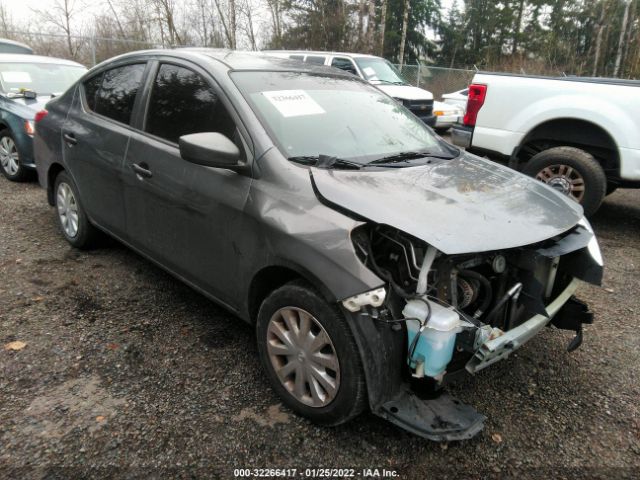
344,64
117,92
315,60
183,102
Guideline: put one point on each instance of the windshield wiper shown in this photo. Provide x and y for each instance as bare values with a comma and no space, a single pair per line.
387,81
325,161
406,156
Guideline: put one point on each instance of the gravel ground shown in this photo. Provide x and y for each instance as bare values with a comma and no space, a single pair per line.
128,373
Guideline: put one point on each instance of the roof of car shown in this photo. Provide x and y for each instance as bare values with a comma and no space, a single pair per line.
20,58
246,60
241,60
319,52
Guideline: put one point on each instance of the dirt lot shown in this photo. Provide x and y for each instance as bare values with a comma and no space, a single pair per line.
128,373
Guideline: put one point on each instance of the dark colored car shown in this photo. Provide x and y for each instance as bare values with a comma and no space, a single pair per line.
374,259
27,83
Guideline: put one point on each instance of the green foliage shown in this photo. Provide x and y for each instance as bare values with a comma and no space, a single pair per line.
542,36
423,14
318,24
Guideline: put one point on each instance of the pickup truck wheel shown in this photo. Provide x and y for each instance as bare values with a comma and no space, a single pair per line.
572,172
310,356
10,158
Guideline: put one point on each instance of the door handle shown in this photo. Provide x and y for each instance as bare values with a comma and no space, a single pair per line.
142,170
70,139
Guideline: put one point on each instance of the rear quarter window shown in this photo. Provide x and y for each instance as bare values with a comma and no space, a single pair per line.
91,88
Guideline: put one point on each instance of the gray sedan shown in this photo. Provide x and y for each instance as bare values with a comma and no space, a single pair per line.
375,260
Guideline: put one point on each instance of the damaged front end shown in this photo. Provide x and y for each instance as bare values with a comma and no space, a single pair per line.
441,314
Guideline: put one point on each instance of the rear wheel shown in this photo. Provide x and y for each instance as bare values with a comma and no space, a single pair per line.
310,355
10,161
573,172
72,218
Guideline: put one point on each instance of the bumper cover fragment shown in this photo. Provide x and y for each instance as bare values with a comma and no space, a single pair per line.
501,347
441,419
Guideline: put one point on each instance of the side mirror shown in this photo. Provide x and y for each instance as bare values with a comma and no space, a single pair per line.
210,149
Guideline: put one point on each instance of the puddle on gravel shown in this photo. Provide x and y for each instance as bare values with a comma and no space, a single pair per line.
78,403
270,418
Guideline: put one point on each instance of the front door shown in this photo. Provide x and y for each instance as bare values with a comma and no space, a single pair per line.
95,139
185,216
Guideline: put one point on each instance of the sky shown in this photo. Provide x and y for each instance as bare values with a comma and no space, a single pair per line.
22,9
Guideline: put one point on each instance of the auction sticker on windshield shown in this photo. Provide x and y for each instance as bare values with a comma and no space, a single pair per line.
293,103
16,77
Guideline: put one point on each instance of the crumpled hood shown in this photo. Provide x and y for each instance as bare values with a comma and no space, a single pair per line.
405,92
29,107
459,206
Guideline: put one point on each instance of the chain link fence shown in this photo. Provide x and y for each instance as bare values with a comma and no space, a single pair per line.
88,50
438,80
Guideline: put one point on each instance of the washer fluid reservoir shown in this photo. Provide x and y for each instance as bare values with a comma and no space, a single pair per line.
434,349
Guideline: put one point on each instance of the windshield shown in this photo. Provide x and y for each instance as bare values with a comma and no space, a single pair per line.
379,70
310,115
42,78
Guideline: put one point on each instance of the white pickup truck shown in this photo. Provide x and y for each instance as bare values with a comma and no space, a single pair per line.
578,135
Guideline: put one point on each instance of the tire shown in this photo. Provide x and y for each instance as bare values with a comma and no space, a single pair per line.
77,229
10,158
573,172
294,301
441,130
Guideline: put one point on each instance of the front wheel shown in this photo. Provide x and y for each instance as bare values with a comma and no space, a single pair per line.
310,356
10,161
573,172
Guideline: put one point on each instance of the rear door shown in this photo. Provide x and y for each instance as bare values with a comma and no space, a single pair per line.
95,138
185,216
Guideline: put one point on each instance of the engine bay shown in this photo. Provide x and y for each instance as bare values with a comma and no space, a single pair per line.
450,305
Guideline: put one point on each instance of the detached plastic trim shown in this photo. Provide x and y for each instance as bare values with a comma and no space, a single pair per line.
442,419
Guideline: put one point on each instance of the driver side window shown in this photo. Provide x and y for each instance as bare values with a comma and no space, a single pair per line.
183,102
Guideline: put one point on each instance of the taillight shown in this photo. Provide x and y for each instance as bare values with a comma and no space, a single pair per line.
40,115
477,94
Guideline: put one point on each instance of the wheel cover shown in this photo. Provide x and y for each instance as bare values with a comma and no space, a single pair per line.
564,178
9,156
67,209
303,356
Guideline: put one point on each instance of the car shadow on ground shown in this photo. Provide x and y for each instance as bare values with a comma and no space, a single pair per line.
619,214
